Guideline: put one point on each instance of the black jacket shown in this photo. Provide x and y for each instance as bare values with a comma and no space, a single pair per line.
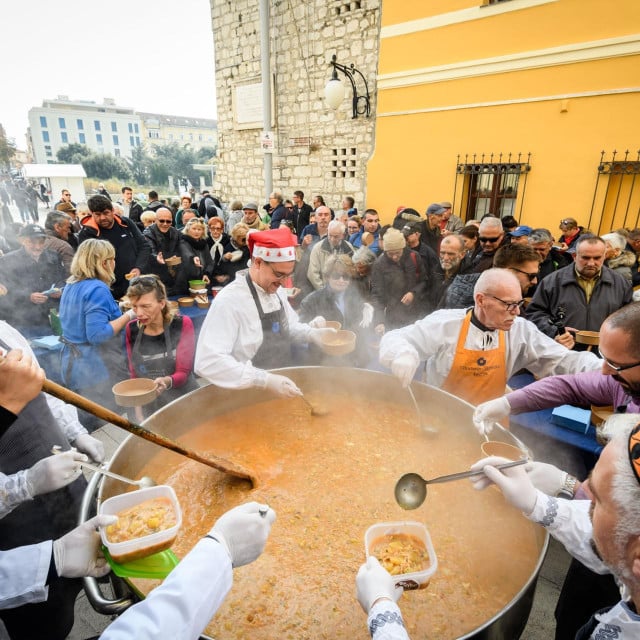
390,281
561,289
22,276
169,245
132,250
190,248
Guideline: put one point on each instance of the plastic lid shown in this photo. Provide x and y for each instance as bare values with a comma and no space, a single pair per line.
158,565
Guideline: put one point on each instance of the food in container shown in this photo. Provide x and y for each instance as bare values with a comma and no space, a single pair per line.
235,256
202,301
148,522
333,324
503,450
128,276
404,549
173,261
197,284
186,302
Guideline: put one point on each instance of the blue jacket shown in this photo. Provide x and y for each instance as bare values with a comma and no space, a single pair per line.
86,308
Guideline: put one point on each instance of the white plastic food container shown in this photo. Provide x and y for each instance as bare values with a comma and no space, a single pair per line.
137,548
415,580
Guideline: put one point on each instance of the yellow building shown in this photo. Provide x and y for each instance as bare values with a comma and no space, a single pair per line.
521,107
159,129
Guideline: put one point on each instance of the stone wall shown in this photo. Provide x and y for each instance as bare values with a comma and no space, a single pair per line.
317,150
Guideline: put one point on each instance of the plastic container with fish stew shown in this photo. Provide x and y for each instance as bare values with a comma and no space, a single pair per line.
146,545
416,579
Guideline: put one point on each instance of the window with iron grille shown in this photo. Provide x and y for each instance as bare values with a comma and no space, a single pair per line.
343,162
491,183
616,196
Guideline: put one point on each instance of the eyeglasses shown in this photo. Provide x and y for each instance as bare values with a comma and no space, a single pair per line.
152,280
509,306
290,208
341,276
619,368
277,274
66,194
489,239
163,221
531,276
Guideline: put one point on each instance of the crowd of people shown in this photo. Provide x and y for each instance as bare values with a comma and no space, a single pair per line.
461,306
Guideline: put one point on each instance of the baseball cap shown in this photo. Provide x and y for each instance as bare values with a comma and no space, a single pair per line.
32,231
445,205
250,205
411,227
522,230
435,209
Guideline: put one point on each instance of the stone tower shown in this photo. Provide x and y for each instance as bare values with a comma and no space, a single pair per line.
317,149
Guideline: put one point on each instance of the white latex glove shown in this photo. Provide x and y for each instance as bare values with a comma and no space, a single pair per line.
489,412
367,315
79,553
86,443
282,386
244,531
514,482
374,582
316,335
54,472
404,368
317,323
545,477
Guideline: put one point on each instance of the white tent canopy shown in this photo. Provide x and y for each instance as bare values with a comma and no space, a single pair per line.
59,177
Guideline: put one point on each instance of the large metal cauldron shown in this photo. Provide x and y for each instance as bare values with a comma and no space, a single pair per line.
182,416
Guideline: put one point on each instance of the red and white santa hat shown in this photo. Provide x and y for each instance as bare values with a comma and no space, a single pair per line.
275,245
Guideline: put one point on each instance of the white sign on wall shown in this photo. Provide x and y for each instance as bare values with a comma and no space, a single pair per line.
267,141
247,104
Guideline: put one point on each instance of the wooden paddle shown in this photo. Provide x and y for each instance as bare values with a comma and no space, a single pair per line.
110,416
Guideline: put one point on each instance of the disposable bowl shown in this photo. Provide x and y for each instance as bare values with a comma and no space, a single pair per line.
416,579
135,392
186,302
144,546
339,343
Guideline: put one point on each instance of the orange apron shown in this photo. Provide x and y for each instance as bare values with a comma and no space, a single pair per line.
477,376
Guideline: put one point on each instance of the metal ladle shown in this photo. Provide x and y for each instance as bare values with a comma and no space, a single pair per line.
427,428
144,482
411,489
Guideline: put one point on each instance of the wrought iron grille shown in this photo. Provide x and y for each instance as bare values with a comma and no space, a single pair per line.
616,196
491,183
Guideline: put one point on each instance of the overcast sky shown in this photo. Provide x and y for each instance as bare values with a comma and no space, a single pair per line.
150,55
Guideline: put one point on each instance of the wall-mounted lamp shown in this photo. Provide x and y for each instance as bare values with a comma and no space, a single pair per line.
334,90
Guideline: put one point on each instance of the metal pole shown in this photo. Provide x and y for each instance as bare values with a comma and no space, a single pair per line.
265,57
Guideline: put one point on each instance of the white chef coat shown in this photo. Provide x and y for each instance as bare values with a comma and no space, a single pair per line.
434,339
181,607
13,488
232,334
23,572
385,622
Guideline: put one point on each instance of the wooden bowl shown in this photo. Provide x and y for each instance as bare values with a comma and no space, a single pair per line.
186,302
135,392
588,337
203,305
333,324
339,343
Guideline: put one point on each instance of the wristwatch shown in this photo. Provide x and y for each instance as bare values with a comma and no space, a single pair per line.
568,490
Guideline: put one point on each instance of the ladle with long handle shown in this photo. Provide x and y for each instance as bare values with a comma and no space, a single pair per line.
411,489
143,483
103,413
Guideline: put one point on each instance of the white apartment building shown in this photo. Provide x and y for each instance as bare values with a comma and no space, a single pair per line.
109,128
103,128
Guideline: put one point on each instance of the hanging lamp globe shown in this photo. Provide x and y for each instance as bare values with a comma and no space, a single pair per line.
334,93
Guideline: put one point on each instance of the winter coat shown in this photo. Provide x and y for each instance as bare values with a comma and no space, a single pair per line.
561,289
623,264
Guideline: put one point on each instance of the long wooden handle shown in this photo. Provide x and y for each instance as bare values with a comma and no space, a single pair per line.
110,416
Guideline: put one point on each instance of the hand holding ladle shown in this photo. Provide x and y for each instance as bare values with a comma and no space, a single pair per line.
411,489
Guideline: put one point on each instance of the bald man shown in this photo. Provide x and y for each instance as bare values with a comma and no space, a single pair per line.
472,353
